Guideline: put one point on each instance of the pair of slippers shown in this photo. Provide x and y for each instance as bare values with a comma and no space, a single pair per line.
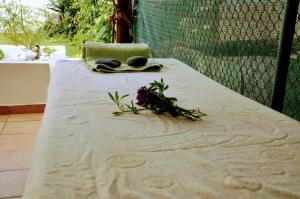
134,64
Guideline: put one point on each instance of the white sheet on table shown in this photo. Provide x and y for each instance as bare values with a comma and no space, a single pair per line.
241,150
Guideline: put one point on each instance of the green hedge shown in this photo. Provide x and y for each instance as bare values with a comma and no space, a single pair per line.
81,20
1,54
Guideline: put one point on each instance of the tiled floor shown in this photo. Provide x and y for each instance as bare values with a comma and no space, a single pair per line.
17,138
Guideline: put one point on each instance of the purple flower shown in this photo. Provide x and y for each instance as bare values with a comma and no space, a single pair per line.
144,96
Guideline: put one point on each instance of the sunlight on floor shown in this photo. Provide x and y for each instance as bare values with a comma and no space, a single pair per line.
17,138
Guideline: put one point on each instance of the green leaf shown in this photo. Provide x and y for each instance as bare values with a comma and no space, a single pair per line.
172,99
124,96
133,108
111,97
117,97
117,113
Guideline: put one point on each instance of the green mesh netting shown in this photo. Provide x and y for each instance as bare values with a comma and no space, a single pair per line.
292,96
234,42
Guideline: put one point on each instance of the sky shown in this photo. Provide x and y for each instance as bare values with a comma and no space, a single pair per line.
35,3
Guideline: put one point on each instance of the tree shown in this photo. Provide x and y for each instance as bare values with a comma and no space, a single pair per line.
81,20
22,25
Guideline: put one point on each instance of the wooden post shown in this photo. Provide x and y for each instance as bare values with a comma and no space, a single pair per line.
123,26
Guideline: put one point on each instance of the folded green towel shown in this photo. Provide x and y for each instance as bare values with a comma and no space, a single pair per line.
95,50
91,51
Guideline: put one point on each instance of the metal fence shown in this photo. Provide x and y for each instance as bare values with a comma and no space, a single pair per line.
292,97
234,42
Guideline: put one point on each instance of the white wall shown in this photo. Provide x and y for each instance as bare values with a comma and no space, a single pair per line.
23,83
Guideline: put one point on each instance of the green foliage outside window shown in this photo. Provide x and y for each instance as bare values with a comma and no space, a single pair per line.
48,51
80,20
22,25
1,54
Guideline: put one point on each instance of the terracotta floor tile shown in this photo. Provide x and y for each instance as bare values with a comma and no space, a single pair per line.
15,159
25,117
17,142
3,118
28,127
12,183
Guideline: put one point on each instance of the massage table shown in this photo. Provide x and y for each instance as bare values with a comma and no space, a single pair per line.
242,149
